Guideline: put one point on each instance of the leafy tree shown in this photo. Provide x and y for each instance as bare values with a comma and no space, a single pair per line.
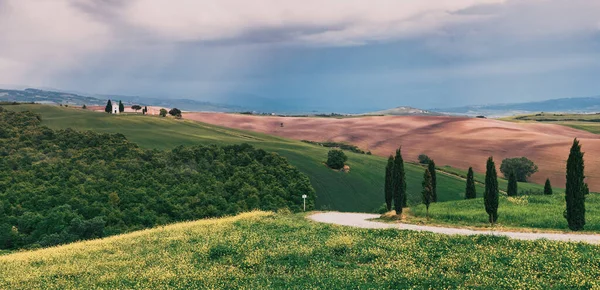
136,107
424,159
108,107
175,112
399,183
336,159
490,196
428,191
121,107
431,167
471,190
522,167
547,187
389,188
512,185
163,113
84,107
575,189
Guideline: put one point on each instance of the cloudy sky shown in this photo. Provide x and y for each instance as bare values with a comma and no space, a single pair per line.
351,55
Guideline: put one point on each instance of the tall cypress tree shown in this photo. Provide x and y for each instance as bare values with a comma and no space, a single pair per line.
121,107
471,191
512,184
547,187
431,167
399,192
427,192
389,188
490,196
575,189
108,107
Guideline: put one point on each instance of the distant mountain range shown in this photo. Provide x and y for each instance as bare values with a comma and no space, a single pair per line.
247,102
57,97
564,105
405,111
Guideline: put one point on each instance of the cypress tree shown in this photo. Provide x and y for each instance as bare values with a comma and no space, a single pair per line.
431,167
389,189
108,107
575,189
490,196
427,192
399,181
512,184
547,187
471,191
121,107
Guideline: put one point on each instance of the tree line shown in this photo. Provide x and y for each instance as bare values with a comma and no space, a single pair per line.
59,186
516,169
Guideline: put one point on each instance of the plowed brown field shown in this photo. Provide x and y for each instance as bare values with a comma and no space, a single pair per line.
455,141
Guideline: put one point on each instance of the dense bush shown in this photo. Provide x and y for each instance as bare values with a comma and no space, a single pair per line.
336,159
62,186
342,146
522,167
175,112
424,159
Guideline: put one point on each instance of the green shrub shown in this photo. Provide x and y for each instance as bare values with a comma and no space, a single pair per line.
336,159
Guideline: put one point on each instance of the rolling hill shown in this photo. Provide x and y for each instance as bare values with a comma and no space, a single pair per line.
77,99
456,141
359,190
404,111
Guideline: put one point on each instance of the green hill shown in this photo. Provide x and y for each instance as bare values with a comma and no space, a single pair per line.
359,190
263,250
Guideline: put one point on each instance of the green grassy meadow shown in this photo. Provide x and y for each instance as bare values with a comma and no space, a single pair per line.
586,122
526,211
359,190
260,250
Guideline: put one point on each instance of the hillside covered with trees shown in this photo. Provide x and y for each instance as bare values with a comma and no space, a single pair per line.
59,186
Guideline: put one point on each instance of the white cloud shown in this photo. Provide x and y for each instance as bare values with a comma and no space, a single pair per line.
43,39
345,21
39,38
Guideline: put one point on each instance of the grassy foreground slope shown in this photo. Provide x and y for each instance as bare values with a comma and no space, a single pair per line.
526,211
359,190
263,250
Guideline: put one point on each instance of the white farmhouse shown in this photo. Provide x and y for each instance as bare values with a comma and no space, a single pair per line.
115,107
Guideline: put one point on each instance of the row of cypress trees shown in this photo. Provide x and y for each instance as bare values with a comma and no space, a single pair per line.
395,183
575,191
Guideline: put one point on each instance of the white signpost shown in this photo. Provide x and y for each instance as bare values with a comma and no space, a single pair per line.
304,196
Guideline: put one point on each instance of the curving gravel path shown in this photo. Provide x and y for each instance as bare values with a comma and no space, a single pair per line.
361,220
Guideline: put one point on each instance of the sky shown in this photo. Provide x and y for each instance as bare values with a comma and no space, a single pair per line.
332,55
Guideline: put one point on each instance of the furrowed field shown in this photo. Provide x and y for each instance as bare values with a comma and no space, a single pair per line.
359,190
265,250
